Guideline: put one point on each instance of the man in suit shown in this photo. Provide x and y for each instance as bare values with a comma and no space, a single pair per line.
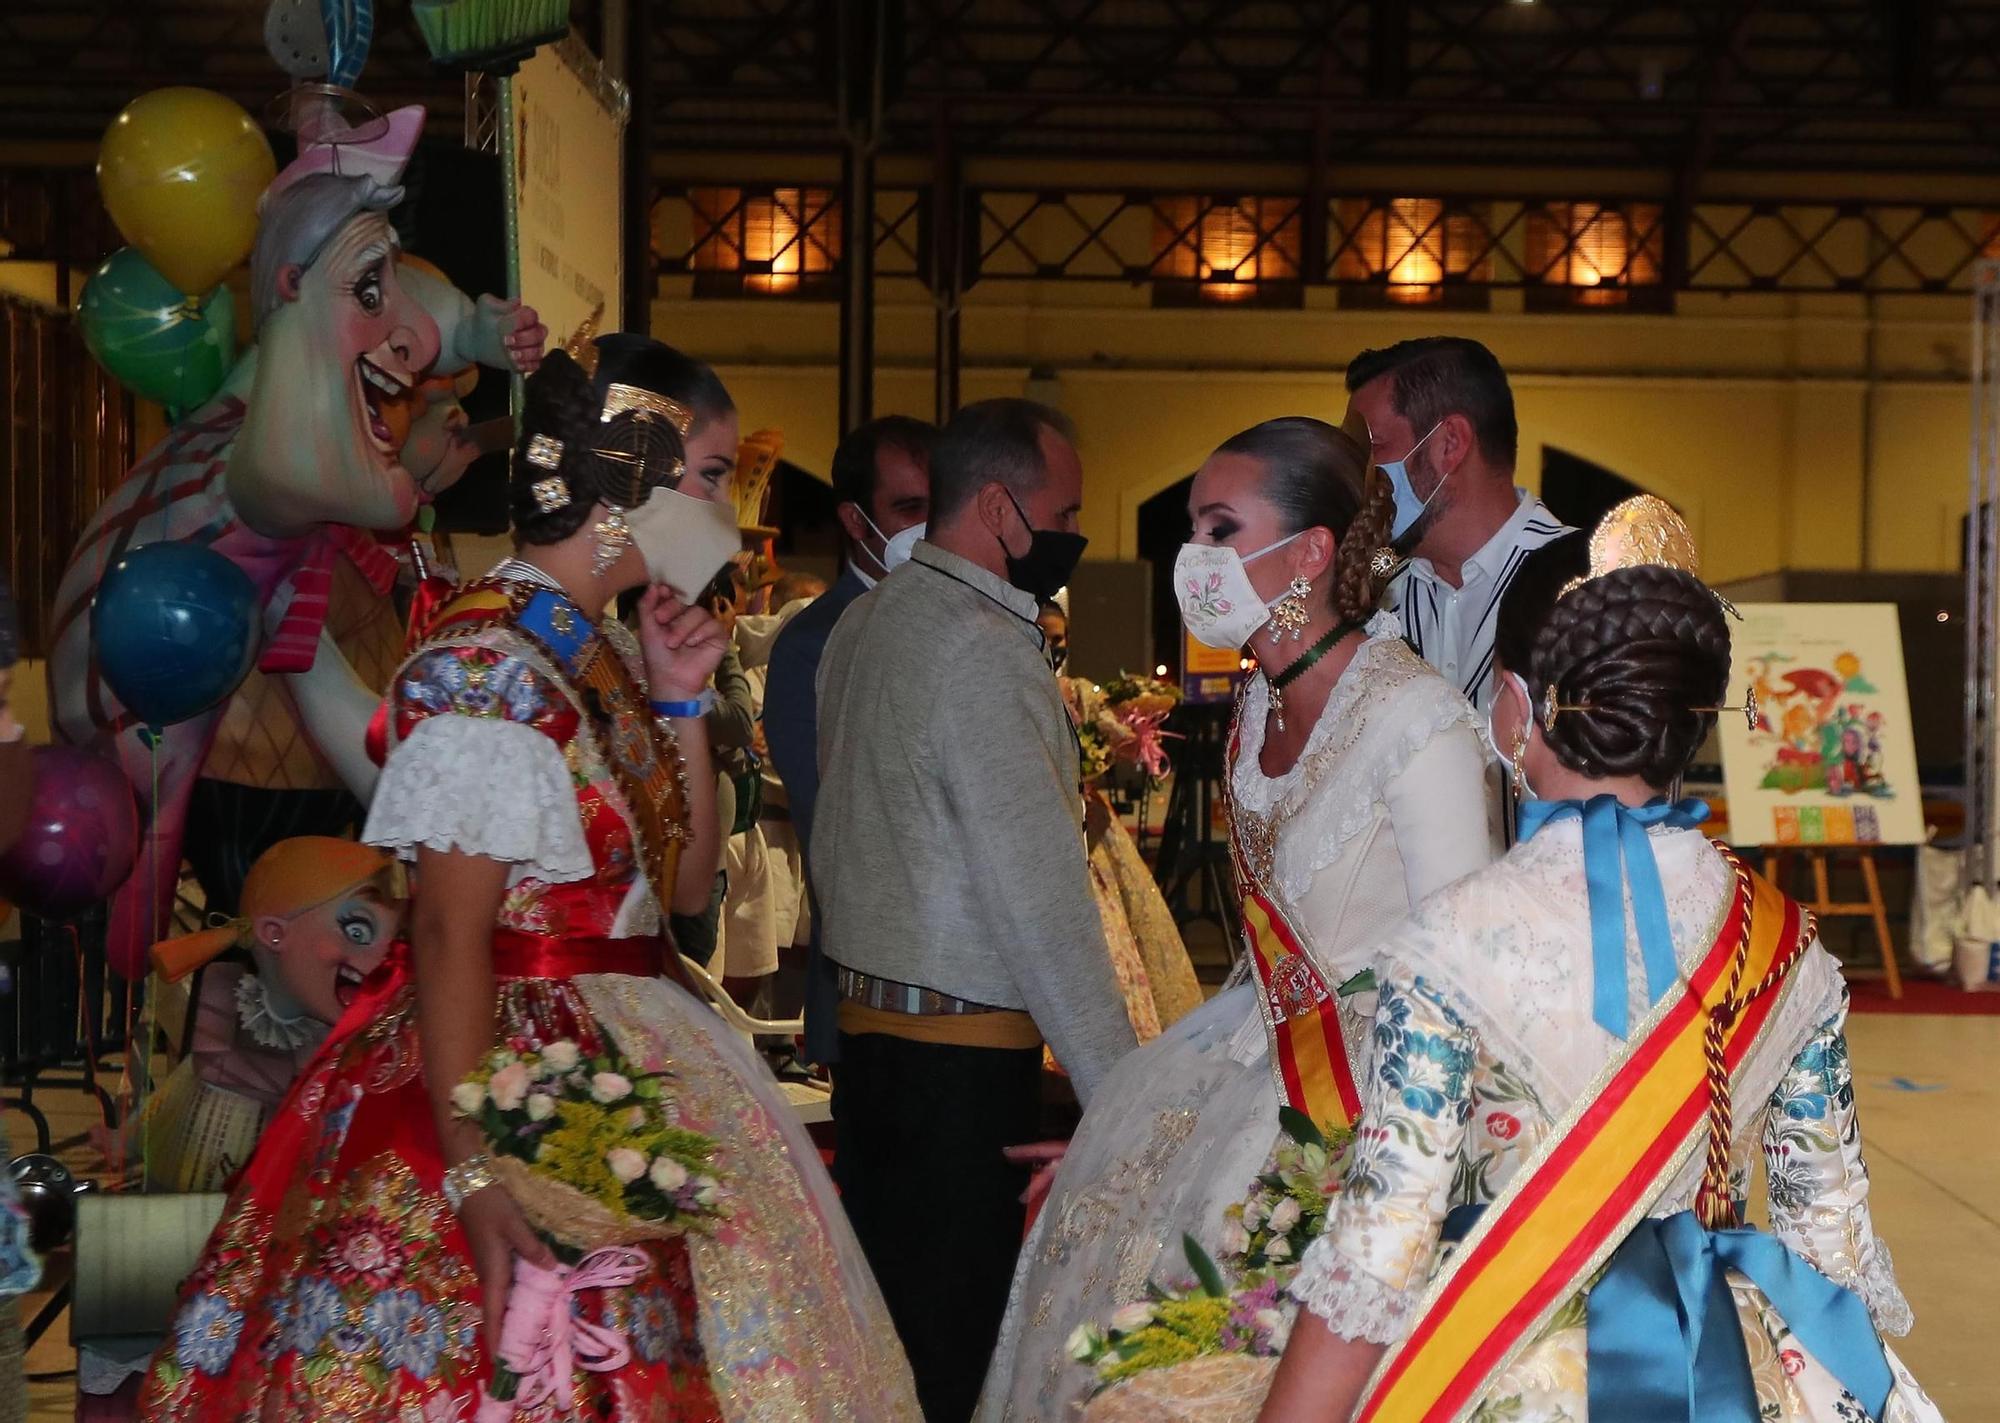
881,472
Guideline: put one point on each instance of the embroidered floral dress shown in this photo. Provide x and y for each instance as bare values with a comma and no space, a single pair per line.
1371,819
1484,1040
338,1284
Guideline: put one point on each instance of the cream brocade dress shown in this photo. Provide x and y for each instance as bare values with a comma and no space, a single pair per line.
1385,806
1484,1039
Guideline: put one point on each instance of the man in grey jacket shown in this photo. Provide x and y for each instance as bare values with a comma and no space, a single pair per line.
954,891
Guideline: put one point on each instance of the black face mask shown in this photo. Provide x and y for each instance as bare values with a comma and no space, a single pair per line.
1045,569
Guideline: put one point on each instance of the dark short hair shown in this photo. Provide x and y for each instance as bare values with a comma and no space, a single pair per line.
992,442
855,459
1436,376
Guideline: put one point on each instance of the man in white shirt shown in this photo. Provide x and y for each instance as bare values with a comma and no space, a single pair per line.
1440,421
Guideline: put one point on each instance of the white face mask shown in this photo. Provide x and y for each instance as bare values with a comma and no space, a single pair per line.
1218,603
684,540
896,547
1505,758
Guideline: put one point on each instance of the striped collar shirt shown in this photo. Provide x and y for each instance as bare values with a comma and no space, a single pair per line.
1452,628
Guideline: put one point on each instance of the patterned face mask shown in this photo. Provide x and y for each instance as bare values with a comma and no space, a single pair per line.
1218,604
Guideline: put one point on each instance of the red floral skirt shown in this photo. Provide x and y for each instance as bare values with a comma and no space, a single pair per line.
338,1285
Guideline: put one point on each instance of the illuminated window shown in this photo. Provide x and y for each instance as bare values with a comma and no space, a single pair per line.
782,241
1228,251
1595,255
1410,251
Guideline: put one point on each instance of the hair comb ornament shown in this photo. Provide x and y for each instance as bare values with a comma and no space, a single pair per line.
643,404
1643,531
582,344
1383,563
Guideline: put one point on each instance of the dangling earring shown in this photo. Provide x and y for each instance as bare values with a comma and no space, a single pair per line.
614,536
1288,614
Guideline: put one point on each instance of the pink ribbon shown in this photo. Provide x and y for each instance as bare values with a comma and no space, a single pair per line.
1148,744
543,1340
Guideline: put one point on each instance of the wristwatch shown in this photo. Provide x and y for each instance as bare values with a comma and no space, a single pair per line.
698,706
470,1176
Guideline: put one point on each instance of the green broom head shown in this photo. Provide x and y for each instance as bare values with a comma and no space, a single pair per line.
489,34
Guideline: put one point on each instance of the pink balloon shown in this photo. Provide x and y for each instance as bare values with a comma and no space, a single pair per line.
81,836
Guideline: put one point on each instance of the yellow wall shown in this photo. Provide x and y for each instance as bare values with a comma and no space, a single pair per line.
1755,414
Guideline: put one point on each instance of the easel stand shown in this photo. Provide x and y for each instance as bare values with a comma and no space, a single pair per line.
1193,866
1777,864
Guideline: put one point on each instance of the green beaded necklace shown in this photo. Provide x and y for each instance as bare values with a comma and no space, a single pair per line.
1303,665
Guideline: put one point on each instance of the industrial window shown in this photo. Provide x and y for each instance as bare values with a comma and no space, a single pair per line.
1410,252
765,241
1596,255
1227,251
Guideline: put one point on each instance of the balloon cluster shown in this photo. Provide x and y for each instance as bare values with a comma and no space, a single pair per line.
181,170
175,626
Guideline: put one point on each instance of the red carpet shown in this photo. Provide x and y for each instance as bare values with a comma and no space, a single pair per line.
1921,995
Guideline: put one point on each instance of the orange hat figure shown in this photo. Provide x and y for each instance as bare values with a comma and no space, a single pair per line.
318,917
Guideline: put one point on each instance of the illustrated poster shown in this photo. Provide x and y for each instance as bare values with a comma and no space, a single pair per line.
1831,760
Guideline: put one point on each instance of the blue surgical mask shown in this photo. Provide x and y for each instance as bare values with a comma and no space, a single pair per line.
1409,508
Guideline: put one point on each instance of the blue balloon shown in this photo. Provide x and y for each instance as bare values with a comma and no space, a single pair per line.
175,627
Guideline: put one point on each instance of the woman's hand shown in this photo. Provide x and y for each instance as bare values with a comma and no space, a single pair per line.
497,1232
1043,1157
683,644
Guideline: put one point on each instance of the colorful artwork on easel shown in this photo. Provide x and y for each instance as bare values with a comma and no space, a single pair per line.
1831,759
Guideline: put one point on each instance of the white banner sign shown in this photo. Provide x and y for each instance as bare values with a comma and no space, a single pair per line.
569,126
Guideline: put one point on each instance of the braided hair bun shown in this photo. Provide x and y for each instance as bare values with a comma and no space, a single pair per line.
1316,475
614,462
1634,653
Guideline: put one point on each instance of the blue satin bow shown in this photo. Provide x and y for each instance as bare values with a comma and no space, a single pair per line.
1664,1341
1616,851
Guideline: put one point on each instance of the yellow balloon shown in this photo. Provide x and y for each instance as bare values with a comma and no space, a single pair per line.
181,170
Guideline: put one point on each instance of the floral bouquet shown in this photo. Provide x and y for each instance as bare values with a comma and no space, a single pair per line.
1119,722
1236,1306
595,1156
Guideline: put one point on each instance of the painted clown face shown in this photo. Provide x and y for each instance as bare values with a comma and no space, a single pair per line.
318,958
337,364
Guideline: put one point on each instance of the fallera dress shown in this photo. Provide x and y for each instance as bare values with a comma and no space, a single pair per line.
338,1284
1370,820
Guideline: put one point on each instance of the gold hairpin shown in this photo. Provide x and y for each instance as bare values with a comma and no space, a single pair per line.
544,452
646,405
1551,708
582,345
1383,562
1752,713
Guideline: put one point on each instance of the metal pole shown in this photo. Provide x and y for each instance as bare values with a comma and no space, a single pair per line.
947,268
511,204
862,24
1982,577
633,24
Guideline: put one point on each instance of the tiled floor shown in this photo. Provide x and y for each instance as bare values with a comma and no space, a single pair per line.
1929,1091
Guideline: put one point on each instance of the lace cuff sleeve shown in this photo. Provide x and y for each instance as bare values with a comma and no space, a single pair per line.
1352,1304
482,787
1818,1179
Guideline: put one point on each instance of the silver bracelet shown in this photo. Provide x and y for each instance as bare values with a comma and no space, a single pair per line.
470,1176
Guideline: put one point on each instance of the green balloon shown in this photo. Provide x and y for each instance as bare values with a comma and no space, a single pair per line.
159,343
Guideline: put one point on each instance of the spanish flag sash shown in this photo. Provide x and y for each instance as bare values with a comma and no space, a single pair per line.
1301,1012
1567,1211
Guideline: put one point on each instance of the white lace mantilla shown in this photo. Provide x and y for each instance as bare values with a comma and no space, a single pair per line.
482,787
1386,706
